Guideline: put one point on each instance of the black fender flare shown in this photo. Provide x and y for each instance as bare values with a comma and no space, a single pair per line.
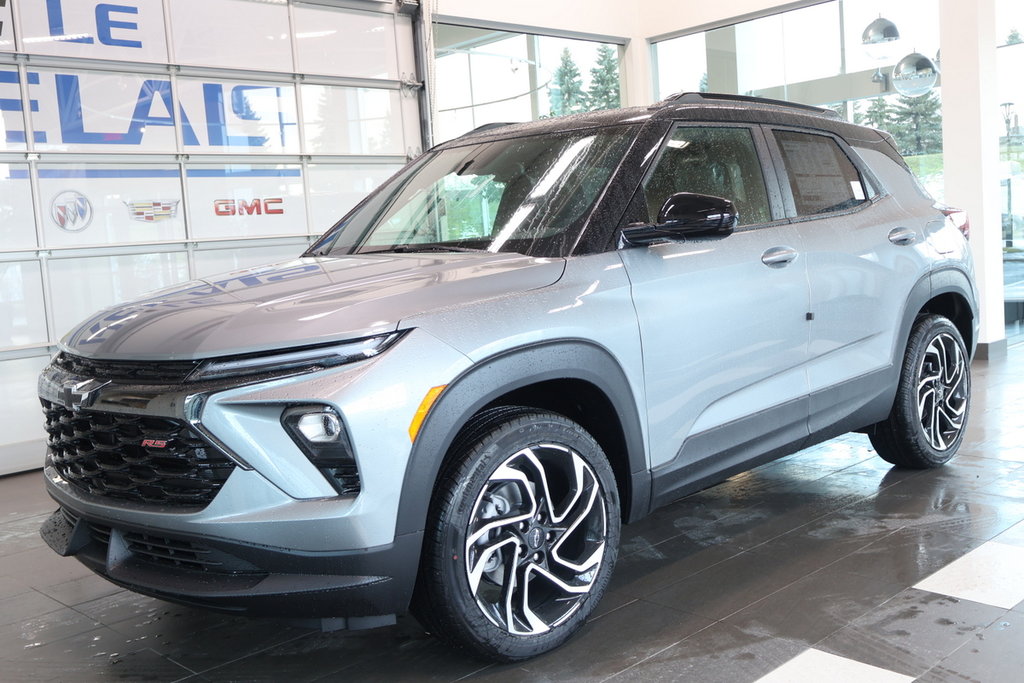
493,377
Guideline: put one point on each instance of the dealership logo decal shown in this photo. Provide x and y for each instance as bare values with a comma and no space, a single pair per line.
71,211
151,212
241,207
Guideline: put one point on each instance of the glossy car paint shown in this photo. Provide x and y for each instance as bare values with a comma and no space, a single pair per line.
712,356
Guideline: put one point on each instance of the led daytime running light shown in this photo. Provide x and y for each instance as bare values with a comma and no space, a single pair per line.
297,360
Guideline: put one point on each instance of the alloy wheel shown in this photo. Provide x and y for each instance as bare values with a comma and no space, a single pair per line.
536,539
942,391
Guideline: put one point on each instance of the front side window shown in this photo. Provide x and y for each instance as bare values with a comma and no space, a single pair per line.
528,195
821,176
721,162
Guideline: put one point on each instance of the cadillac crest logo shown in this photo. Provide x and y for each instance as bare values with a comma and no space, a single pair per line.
152,211
71,211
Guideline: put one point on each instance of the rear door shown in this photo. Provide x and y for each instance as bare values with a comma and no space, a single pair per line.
863,253
722,321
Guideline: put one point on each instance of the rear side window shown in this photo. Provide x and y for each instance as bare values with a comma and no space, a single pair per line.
721,162
821,176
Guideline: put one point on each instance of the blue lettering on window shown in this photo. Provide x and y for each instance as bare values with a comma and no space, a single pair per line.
216,120
14,104
55,18
104,24
69,105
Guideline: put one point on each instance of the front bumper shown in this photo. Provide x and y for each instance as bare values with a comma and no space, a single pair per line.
240,578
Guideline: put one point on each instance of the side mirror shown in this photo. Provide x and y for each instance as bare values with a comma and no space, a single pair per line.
686,215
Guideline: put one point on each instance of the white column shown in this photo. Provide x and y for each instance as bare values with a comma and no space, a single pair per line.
970,142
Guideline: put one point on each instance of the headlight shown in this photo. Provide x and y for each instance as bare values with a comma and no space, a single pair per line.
296,360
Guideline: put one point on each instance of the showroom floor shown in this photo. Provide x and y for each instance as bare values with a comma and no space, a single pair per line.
825,566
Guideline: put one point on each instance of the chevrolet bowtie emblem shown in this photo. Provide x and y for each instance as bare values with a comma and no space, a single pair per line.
78,395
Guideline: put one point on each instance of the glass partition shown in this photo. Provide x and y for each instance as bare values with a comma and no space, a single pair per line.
1009,66
817,55
487,76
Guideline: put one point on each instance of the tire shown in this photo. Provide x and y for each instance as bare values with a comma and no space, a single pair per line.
521,538
929,415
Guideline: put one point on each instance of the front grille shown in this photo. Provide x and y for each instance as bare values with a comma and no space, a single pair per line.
137,372
143,459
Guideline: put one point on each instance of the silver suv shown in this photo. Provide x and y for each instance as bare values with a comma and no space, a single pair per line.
526,337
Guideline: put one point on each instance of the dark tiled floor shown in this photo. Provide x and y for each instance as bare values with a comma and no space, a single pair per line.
818,554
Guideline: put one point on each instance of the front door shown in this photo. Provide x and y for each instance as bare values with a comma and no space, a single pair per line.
722,321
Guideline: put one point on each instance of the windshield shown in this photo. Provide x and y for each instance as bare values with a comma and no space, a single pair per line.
529,195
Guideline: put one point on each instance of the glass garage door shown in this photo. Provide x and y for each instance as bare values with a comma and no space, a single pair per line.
148,142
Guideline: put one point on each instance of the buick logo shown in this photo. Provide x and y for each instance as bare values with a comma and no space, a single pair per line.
81,394
71,211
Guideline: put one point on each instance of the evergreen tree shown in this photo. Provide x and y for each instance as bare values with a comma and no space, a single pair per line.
917,124
566,92
1014,38
703,87
604,80
878,114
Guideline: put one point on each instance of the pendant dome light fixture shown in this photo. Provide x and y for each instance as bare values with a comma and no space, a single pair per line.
914,75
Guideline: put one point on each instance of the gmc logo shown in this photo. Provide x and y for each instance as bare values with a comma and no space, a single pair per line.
240,207
154,443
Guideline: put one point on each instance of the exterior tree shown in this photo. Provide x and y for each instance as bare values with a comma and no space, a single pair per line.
1014,38
604,80
878,114
917,124
703,87
566,92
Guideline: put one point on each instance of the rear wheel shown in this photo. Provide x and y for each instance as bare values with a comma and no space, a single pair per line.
929,415
522,536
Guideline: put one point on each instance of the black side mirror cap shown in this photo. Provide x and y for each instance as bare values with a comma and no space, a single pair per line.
686,215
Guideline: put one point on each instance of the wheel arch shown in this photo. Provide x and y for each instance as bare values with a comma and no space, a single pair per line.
575,378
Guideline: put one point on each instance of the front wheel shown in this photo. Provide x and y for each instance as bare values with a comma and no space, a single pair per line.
929,415
522,536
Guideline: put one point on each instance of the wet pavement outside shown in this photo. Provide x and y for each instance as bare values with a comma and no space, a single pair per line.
826,565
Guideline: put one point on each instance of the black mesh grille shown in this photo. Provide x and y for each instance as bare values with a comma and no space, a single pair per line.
149,460
142,372
170,552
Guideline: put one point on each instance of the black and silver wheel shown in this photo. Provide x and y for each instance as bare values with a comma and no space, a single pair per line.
522,538
929,416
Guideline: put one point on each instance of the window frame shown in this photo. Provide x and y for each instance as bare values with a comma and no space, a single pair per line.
873,190
776,206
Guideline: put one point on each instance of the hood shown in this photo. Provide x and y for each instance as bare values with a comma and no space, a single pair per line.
305,301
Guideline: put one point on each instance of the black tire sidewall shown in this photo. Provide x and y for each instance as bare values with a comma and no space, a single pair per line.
479,462
907,420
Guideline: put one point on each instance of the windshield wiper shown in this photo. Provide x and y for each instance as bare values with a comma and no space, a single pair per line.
419,248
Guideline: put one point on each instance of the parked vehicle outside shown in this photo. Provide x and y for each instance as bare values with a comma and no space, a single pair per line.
528,336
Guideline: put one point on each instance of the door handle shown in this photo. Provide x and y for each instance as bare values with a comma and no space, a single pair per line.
778,257
903,237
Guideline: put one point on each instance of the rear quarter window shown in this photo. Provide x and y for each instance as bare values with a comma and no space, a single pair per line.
821,177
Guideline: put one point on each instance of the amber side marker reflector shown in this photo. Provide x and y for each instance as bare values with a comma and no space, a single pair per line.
421,412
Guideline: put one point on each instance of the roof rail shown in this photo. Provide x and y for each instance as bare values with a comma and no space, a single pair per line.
698,97
489,126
